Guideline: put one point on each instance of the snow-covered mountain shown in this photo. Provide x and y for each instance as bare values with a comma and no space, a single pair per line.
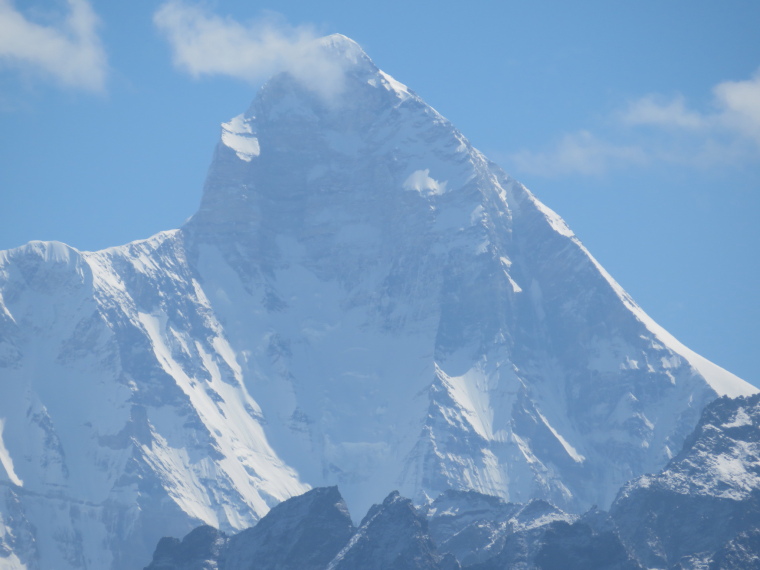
362,299
706,500
702,511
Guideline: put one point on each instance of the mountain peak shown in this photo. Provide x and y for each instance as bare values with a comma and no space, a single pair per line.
292,133
344,47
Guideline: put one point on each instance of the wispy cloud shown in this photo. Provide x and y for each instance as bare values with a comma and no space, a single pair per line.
739,103
657,111
208,44
736,111
70,52
578,153
657,129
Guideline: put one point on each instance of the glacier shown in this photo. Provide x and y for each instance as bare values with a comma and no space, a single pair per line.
362,299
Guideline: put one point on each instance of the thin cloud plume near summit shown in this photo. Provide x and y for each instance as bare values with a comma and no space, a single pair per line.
206,44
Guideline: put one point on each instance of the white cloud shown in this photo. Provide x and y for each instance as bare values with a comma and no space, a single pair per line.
70,52
657,129
740,106
207,44
578,153
653,110
735,112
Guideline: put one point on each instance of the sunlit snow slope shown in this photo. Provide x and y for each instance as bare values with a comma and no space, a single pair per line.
361,299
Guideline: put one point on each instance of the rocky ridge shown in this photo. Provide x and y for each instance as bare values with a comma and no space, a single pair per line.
656,521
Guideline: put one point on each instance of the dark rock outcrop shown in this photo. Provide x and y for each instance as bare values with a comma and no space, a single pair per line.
393,535
707,495
199,550
302,533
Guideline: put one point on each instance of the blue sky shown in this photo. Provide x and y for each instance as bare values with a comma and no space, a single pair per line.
638,122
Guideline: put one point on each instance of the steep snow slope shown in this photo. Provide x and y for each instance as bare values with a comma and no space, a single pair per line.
116,425
362,299
427,323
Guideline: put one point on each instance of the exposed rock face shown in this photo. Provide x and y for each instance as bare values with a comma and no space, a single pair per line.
469,525
475,527
485,533
562,546
743,551
312,532
199,550
706,496
303,533
392,535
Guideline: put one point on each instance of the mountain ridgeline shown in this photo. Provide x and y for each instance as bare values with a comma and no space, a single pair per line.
363,300
701,512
